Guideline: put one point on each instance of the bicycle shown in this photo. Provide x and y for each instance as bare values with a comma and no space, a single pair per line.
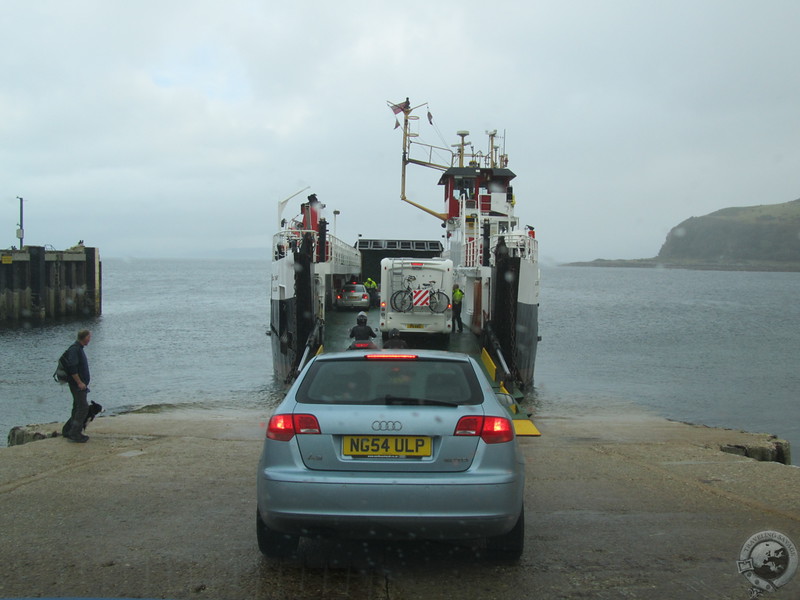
403,300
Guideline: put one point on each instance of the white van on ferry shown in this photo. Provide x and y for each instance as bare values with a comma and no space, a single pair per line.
415,296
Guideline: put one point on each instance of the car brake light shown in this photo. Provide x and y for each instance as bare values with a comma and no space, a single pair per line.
280,428
497,430
391,357
364,296
469,426
306,424
284,427
492,430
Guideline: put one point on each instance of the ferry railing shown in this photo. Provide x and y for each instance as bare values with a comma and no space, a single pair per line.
519,244
343,253
473,251
290,240
473,159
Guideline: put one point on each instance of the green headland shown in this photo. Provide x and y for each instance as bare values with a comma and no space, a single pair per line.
748,238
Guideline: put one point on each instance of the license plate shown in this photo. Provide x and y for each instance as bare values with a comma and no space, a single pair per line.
386,445
416,326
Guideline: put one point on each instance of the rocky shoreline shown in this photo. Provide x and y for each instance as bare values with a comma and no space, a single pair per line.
697,265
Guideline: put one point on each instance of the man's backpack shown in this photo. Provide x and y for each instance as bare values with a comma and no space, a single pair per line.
61,375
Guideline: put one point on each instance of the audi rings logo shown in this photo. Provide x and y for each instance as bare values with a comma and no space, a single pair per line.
386,426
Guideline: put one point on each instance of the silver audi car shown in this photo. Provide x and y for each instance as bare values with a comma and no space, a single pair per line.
406,444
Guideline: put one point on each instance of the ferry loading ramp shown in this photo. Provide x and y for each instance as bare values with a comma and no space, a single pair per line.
375,250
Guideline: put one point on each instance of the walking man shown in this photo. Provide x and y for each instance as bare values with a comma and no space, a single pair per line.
372,290
458,296
77,367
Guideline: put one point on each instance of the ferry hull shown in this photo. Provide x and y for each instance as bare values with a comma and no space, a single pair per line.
307,265
527,343
515,317
284,355
293,316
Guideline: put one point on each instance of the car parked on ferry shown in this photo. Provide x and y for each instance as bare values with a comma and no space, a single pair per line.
353,295
388,444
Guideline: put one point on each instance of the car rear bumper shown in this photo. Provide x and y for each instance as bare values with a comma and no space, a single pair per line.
449,507
361,305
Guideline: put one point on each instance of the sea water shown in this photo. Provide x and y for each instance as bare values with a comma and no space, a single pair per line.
708,347
173,333
717,348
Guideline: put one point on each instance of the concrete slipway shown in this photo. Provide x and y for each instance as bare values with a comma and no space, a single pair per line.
163,506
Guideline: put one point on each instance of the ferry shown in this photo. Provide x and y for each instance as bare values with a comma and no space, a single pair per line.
494,261
308,266
495,256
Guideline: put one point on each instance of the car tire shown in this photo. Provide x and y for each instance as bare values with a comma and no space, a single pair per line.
274,544
508,547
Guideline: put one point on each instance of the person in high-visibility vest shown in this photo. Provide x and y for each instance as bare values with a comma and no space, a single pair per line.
458,296
372,290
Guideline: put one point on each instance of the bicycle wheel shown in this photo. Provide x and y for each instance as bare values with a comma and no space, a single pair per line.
402,301
439,302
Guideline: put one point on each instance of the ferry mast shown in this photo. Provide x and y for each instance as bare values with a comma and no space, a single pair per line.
477,186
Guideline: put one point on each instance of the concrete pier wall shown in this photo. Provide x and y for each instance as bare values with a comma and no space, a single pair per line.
37,284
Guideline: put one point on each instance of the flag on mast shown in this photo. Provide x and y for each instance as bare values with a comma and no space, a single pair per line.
398,108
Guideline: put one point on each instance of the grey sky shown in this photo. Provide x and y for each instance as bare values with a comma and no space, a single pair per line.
172,128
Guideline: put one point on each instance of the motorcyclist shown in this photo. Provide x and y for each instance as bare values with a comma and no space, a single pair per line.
395,341
362,331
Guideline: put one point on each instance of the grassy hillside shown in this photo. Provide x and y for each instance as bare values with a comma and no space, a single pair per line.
732,235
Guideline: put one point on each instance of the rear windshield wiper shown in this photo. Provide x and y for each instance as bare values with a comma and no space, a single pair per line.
390,400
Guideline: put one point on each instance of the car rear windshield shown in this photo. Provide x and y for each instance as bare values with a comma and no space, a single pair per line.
354,288
390,382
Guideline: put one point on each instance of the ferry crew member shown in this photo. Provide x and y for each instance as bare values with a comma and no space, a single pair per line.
372,290
458,296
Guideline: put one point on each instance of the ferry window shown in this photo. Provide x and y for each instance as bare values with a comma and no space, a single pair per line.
391,244
466,188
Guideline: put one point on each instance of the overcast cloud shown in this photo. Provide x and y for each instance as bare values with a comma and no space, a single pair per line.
169,128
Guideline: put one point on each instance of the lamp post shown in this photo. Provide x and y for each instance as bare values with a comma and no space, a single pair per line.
21,230
336,213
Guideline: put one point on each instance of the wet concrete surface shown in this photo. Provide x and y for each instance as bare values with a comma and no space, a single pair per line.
163,506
